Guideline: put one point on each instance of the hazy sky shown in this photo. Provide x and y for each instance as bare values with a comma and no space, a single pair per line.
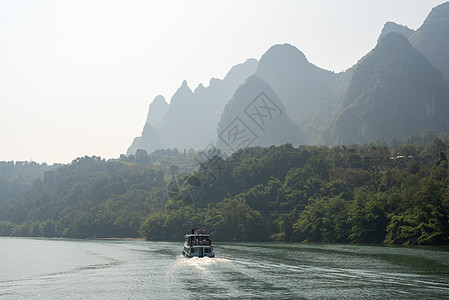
76,77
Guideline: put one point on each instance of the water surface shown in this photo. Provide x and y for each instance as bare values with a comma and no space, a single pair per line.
105,269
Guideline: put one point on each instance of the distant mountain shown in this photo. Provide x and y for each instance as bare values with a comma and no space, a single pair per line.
256,117
432,38
394,92
192,116
298,83
393,27
311,95
150,138
157,110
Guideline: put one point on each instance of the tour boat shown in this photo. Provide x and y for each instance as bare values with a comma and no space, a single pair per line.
197,244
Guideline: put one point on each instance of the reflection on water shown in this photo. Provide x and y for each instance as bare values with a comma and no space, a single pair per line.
100,269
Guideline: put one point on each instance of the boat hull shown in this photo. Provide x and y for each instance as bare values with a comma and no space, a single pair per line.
198,252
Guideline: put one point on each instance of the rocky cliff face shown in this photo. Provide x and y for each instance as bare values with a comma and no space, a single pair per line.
394,92
255,116
192,116
300,84
311,95
393,27
398,89
432,38
157,110
150,138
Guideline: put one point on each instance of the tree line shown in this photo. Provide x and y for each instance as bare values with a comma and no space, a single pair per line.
361,194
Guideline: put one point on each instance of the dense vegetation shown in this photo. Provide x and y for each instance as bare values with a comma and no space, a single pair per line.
17,177
340,194
363,194
89,197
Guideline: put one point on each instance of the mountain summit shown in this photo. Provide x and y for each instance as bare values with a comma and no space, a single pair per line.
310,94
432,38
393,27
191,118
255,116
398,89
300,84
157,110
395,92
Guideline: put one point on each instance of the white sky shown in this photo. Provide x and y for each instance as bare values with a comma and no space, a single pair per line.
76,77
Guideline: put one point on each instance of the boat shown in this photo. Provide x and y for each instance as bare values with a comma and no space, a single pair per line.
197,244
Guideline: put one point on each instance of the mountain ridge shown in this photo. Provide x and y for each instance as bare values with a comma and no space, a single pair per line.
314,98
395,92
432,38
185,125
255,116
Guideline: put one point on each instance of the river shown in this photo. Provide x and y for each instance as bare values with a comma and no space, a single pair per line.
135,269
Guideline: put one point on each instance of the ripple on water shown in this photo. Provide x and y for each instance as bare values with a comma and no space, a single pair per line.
142,270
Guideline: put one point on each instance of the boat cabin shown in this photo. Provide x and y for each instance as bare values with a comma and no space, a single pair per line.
197,243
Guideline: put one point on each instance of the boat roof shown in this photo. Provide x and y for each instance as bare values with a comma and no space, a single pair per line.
197,234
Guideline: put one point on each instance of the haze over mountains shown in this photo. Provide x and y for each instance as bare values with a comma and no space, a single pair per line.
398,89
192,117
254,117
394,93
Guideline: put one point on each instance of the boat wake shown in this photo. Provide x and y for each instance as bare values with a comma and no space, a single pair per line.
199,263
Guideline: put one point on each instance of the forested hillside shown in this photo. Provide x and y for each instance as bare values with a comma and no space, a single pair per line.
90,197
17,177
369,194
342,194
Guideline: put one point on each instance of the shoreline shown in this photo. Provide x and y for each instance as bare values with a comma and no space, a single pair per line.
118,238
